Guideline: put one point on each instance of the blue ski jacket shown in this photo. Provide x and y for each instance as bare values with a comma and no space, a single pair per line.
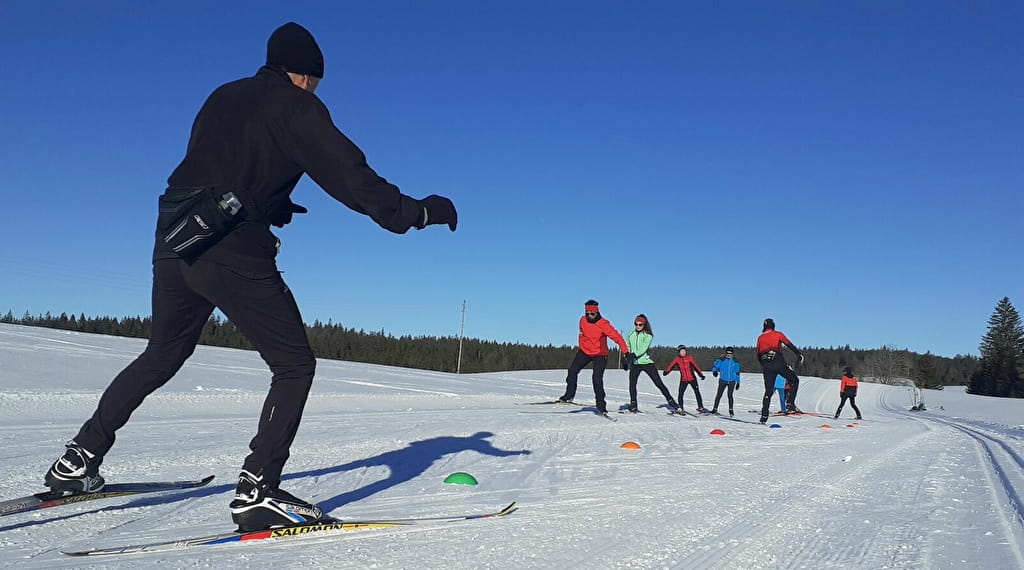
728,370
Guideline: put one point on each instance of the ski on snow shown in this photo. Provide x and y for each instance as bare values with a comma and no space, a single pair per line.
561,403
794,414
551,402
735,419
51,499
293,531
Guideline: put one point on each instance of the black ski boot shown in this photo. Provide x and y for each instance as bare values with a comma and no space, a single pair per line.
77,471
259,506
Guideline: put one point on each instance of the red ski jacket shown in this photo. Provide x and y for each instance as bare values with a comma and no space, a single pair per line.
594,337
772,340
848,385
687,366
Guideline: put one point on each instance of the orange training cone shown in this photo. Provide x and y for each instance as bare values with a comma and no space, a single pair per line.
630,445
717,432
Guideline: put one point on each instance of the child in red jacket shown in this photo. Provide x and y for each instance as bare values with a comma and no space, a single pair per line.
848,391
687,366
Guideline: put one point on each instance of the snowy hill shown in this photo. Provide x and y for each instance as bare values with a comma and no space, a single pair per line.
935,489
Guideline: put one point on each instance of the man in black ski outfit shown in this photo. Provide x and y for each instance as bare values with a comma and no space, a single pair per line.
255,138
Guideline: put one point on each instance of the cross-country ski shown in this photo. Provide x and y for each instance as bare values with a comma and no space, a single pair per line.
289,532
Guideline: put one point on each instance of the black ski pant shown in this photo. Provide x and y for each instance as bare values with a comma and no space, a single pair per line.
261,306
696,392
853,403
652,371
770,369
724,386
581,360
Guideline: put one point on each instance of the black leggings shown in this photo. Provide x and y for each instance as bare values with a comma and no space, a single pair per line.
261,306
770,369
853,403
581,360
652,371
722,387
696,392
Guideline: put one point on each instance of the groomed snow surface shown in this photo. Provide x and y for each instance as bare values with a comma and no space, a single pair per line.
937,489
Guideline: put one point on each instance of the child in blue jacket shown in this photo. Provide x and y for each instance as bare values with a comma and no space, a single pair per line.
728,372
781,387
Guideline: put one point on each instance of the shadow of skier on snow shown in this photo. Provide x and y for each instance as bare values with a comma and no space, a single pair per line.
404,464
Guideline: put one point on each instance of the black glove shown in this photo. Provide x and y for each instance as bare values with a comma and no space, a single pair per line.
631,357
702,378
665,373
625,364
714,373
283,215
737,385
438,210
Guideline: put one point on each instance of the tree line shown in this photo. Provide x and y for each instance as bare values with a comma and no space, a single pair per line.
334,341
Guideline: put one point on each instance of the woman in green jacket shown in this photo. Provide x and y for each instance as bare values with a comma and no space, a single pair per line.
639,341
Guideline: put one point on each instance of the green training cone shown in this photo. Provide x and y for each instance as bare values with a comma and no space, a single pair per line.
460,478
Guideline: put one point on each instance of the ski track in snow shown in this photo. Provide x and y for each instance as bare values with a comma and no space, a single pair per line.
919,490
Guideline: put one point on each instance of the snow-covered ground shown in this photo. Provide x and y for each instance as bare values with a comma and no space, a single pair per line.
937,489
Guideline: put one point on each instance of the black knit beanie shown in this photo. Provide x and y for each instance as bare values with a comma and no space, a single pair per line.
292,48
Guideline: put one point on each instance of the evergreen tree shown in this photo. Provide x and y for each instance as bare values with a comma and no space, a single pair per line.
1002,355
926,372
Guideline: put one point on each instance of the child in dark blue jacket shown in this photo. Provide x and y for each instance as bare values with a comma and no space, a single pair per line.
728,372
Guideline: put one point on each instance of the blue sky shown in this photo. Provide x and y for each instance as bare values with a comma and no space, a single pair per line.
853,170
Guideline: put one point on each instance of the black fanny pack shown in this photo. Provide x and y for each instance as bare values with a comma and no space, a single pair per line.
191,220
770,355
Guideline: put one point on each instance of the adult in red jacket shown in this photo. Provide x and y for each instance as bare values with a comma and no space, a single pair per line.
848,391
595,331
688,372
769,354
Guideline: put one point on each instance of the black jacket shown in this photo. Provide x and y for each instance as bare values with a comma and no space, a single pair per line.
256,137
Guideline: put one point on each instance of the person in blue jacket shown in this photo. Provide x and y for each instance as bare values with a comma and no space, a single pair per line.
727,370
781,386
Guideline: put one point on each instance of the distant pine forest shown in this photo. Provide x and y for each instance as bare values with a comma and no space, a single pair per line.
885,364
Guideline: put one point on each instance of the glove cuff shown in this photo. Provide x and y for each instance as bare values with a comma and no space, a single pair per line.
422,222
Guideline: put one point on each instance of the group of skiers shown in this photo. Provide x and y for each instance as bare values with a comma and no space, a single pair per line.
779,377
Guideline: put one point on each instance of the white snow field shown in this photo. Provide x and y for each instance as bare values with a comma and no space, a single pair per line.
942,488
